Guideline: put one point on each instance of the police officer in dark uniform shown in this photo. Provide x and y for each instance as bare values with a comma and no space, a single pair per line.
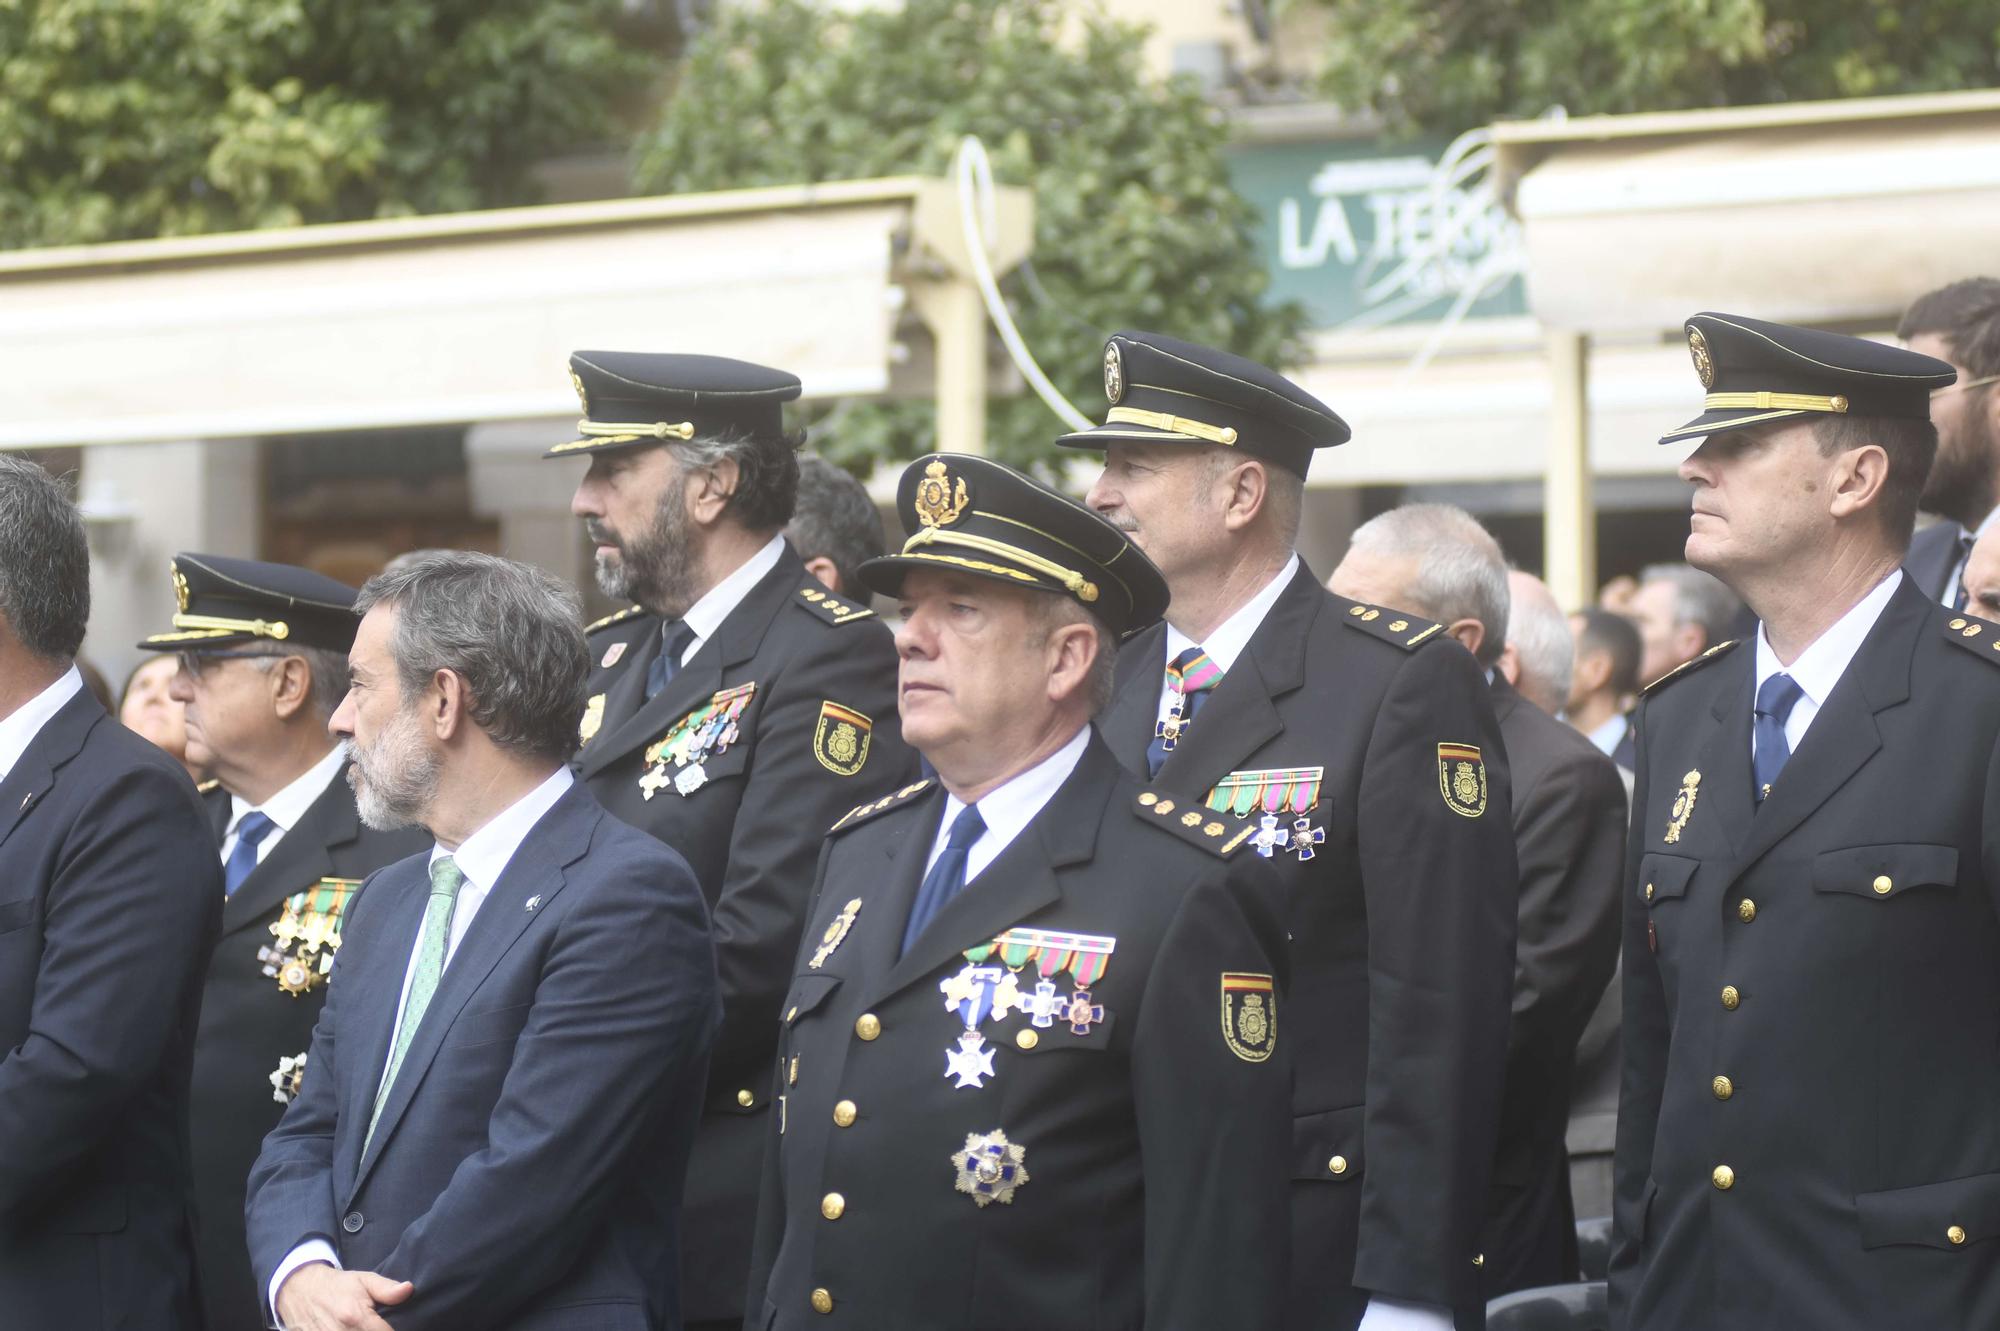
734,712
263,664
1358,745
1035,1061
1809,1129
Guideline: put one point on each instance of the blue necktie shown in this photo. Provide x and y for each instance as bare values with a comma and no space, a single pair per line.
1775,699
1958,585
253,829
1191,675
675,638
947,876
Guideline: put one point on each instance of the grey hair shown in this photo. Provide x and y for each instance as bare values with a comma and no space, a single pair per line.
1460,572
1541,636
835,518
328,669
512,632
1699,598
1284,490
1053,611
44,561
767,473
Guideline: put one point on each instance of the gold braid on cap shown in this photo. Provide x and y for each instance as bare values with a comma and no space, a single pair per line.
1160,420
260,628
1775,401
1077,585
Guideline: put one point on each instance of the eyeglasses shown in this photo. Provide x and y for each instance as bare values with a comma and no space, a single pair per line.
1949,389
197,662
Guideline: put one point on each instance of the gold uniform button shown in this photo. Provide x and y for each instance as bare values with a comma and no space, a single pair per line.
1883,886
822,1301
868,1025
1746,910
792,1015
1479,1259
745,1098
1723,1088
1730,997
1649,891
1026,1038
1955,1234
1337,1165
833,1206
844,1114
1724,1178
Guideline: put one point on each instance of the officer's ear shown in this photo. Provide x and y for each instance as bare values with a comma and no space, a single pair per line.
1246,491
1856,480
710,488
291,686
1470,633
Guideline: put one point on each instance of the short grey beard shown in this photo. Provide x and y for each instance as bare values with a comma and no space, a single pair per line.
396,780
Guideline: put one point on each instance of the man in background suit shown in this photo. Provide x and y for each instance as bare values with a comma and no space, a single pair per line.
734,712
1958,324
109,893
262,654
1568,820
1360,747
502,1089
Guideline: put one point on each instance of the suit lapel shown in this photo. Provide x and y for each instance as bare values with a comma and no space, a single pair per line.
301,858
375,989
536,870
60,739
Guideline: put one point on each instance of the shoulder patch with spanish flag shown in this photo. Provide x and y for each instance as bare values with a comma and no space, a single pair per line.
840,740
1462,779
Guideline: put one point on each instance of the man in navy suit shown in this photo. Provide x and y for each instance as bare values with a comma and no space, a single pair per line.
109,897
501,1091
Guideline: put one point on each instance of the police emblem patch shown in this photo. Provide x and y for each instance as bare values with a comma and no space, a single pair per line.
1462,779
1249,1015
840,740
612,655
1704,364
937,502
593,717
1114,373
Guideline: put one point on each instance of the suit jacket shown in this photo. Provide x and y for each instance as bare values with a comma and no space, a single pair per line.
818,735
1402,927
1933,554
525,1172
260,998
109,892
1154,1144
1569,836
1812,998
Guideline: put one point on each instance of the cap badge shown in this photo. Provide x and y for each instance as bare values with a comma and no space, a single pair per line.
1114,373
938,504
582,398
1704,364
180,587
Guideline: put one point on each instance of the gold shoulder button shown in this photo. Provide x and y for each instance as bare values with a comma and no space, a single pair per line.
629,612
1393,626
1974,635
861,813
833,609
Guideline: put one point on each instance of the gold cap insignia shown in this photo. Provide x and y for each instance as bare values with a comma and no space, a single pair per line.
582,398
938,503
180,587
1114,373
1704,364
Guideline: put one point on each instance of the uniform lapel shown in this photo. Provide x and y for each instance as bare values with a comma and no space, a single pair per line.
1127,725
536,870
301,858
1844,735
1720,815
622,702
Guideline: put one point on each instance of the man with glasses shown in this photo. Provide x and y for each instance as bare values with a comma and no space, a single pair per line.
262,652
1959,325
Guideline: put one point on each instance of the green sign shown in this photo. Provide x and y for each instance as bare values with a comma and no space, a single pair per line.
1364,236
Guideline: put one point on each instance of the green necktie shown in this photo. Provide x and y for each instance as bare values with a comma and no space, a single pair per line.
446,879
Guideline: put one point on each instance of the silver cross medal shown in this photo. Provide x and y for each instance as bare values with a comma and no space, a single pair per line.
1270,837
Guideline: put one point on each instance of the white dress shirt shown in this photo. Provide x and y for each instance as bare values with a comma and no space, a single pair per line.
1950,594
1230,637
1009,806
20,726
1607,736
482,858
706,615
1821,665
285,808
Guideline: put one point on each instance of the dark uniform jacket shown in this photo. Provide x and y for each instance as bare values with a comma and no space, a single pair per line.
1153,1145
1932,557
109,892
260,999
816,734
1402,927
1809,1131
1569,836
525,1172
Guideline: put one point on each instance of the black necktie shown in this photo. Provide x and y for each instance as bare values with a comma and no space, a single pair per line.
947,876
1775,699
675,638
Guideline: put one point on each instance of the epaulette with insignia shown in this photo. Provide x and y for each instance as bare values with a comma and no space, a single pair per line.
831,608
629,612
1405,630
1193,823
1685,666
861,813
1979,636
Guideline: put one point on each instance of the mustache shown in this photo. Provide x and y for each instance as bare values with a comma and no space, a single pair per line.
600,534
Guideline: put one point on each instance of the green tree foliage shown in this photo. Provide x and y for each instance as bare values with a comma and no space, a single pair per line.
1135,222
138,118
1450,65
